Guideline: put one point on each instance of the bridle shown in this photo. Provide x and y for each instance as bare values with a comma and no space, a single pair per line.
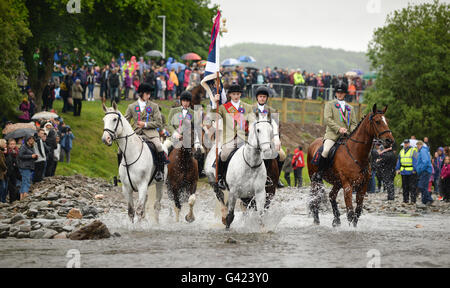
258,144
112,134
378,134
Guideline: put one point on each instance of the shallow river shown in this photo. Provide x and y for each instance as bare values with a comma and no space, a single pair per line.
291,240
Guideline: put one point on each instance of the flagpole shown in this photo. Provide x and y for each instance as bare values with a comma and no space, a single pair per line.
217,128
222,29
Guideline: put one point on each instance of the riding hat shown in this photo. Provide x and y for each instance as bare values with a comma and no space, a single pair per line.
262,90
186,95
234,88
341,87
144,88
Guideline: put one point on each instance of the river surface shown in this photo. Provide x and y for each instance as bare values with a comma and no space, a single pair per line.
289,239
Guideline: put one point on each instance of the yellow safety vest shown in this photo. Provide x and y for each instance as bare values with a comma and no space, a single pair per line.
406,160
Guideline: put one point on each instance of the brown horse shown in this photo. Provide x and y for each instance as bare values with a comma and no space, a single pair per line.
182,172
198,94
350,169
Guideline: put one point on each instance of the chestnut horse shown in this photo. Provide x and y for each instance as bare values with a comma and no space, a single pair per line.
198,94
350,169
182,175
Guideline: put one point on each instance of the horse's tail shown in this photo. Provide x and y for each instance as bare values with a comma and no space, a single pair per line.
311,151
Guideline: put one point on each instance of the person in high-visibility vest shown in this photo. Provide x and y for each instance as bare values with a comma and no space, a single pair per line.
406,166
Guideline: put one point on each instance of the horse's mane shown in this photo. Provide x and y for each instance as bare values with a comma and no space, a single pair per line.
362,120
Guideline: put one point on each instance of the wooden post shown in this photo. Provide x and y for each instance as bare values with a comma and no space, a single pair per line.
359,111
303,111
322,109
284,109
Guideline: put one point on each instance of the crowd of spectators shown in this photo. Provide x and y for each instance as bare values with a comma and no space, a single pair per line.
421,171
30,159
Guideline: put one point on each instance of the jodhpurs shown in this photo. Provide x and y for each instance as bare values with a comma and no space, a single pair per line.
326,147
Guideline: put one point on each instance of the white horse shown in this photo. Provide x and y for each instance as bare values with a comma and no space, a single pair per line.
246,173
137,164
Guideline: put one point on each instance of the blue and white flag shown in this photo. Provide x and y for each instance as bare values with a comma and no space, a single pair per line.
213,65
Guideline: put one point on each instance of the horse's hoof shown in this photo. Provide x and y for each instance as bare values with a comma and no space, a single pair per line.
190,219
336,222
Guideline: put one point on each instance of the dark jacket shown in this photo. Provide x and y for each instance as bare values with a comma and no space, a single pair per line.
3,167
386,165
13,165
25,159
114,81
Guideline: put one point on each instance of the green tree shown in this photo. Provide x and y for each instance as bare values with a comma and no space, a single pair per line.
107,27
14,31
412,56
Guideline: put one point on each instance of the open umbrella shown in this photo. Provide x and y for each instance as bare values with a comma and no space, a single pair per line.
351,74
358,71
230,62
202,63
176,65
44,115
14,127
154,53
20,133
247,59
191,56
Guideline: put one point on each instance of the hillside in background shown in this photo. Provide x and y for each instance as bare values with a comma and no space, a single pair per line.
306,58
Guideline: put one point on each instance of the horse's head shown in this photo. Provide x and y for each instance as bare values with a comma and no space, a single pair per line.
113,125
187,130
379,126
261,132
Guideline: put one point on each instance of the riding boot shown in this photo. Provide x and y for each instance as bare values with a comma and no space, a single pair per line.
322,166
159,176
221,172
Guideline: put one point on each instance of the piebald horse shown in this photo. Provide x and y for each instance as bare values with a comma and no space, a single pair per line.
137,166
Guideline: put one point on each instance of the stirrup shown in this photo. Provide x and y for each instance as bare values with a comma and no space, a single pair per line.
269,182
221,184
159,176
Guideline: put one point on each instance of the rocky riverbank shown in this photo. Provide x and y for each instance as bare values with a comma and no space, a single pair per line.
377,203
61,207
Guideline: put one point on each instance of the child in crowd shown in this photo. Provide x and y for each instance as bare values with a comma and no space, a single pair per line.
445,179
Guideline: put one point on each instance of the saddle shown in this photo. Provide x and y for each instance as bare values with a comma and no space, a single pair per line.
330,157
154,152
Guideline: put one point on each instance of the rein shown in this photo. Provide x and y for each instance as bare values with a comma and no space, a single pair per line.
115,138
257,147
364,169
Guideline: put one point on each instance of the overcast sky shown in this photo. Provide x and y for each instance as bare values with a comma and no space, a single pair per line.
346,24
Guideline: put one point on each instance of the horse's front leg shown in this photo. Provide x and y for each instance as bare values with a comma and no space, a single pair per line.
314,202
348,190
333,194
157,204
190,216
260,199
359,202
140,210
231,203
128,194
